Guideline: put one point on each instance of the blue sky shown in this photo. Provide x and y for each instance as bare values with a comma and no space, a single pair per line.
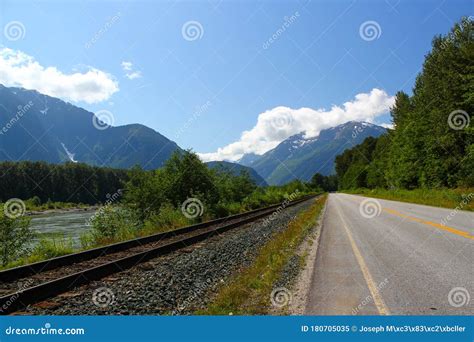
205,90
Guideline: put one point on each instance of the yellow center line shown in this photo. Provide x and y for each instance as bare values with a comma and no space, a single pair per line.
430,223
377,297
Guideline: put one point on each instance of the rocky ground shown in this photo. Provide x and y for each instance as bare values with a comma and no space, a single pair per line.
179,283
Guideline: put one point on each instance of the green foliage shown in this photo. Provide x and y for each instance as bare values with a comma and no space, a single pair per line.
424,150
111,223
69,182
462,199
168,218
51,247
323,183
15,238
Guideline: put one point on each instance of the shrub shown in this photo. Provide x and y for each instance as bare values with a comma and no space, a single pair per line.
110,223
15,238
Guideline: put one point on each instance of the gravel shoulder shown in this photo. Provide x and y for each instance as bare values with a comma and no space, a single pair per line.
302,285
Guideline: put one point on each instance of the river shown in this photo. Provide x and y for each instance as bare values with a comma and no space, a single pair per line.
69,225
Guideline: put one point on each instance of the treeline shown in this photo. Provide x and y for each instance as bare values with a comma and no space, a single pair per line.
216,192
70,182
432,143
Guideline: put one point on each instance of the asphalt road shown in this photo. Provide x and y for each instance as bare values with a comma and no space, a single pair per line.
399,259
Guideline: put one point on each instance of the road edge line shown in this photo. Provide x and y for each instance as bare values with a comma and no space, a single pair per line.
377,297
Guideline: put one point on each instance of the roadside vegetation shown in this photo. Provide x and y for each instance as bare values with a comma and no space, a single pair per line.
185,191
428,157
249,292
462,199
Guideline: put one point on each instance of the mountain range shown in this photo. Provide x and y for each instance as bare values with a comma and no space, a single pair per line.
298,157
38,127
236,169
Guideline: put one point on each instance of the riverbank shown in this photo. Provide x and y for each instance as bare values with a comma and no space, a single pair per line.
62,210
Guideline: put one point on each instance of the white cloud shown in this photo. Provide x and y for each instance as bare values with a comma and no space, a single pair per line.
277,124
130,73
18,69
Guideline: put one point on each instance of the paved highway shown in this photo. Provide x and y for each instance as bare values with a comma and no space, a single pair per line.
379,257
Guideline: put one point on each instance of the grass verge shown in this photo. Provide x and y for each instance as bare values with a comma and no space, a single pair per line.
462,199
248,292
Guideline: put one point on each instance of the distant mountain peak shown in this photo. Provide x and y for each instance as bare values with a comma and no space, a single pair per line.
298,157
56,131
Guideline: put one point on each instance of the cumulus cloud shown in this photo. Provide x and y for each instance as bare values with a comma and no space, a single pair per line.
130,73
18,69
277,124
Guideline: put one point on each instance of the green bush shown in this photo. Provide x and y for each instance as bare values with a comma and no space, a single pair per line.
168,218
112,223
15,238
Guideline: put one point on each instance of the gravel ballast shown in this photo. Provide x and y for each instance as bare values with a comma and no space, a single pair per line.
179,283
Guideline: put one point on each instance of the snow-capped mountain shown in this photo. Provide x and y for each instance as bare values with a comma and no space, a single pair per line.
298,157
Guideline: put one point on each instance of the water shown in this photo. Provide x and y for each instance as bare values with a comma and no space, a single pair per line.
69,225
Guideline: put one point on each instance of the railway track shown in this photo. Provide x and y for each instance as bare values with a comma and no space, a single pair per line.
29,284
